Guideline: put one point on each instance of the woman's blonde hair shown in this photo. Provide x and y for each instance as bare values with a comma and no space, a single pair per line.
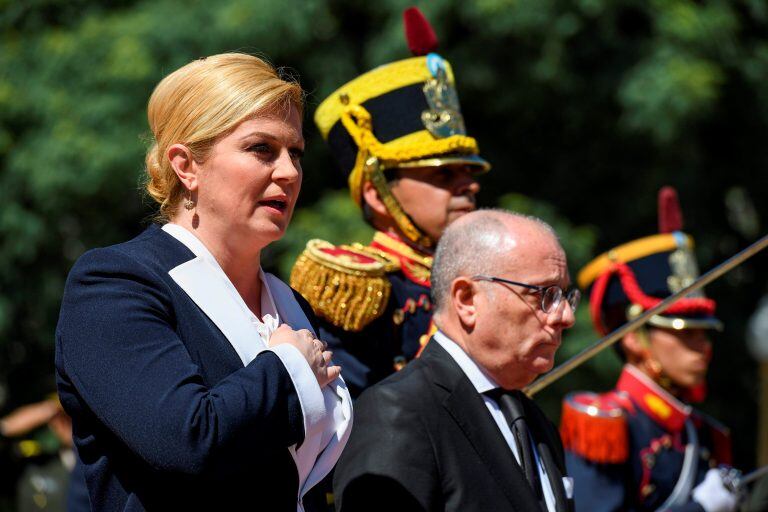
202,101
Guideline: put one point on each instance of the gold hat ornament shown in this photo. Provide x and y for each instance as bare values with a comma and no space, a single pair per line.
404,114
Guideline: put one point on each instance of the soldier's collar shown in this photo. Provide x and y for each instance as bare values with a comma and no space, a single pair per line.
416,265
655,401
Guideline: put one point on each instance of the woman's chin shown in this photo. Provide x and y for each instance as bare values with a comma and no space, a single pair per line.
270,230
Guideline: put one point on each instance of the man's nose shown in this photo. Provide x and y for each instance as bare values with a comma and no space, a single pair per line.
563,316
466,185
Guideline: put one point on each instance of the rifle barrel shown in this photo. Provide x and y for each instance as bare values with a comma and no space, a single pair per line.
605,342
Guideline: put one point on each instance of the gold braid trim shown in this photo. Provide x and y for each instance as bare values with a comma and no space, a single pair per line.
344,284
374,83
406,250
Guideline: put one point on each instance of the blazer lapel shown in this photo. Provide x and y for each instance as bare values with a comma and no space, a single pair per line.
466,407
209,291
287,308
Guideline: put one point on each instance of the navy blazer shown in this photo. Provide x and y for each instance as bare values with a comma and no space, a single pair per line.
165,415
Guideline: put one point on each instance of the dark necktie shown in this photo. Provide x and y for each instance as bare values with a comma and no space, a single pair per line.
512,408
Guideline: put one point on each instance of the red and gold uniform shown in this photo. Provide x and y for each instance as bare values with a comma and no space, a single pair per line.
374,299
642,446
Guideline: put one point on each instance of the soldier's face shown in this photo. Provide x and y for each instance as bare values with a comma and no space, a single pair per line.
435,196
684,355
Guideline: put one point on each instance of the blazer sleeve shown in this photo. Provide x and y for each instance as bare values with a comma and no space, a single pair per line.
388,463
120,360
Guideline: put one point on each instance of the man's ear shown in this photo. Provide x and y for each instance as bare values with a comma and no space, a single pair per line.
464,301
372,197
183,164
635,345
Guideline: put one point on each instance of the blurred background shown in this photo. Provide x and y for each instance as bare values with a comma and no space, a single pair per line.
584,107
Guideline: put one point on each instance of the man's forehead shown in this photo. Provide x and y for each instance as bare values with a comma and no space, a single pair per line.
536,258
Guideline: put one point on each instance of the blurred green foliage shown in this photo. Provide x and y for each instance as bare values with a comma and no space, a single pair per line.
585,108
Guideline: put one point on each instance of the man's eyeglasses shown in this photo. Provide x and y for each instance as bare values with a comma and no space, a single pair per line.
551,296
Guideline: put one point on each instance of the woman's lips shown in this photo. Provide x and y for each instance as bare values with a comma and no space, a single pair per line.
279,205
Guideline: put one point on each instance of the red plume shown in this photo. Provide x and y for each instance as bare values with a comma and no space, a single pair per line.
670,215
418,32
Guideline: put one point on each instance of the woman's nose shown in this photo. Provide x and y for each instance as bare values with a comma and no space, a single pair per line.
287,168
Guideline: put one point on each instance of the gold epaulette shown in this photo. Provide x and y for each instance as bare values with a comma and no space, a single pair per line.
594,427
345,284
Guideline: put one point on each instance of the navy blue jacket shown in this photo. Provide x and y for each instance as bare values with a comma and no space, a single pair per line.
165,415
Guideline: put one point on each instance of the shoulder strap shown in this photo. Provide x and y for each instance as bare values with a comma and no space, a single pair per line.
682,491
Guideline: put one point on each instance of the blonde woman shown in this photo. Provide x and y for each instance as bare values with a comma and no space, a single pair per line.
194,379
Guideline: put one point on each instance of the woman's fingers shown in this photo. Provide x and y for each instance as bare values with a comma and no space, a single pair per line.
333,372
315,351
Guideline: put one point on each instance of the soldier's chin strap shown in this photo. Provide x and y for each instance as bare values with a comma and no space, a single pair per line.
654,366
694,394
375,174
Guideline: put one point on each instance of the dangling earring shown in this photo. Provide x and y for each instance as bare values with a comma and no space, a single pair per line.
189,204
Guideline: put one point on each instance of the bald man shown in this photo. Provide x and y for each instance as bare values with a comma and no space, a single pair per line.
452,431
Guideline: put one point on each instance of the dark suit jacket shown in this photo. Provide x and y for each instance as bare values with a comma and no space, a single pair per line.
165,415
424,441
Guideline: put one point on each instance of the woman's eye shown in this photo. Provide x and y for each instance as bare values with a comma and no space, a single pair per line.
261,149
296,154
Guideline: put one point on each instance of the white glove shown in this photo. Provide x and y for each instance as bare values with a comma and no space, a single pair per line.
712,495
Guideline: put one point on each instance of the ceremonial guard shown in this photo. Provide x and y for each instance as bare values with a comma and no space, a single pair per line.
398,134
642,446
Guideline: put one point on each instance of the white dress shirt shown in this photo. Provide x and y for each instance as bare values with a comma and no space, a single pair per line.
483,383
327,412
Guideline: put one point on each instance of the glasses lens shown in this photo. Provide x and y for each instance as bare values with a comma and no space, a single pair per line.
550,299
574,296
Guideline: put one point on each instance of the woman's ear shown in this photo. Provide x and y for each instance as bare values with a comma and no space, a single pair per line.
372,197
463,300
183,164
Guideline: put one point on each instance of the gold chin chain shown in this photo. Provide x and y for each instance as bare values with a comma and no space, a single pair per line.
375,174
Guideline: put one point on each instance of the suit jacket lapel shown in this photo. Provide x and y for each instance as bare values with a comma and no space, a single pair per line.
554,475
467,408
548,442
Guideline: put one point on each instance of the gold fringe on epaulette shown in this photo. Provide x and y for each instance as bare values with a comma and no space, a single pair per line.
348,294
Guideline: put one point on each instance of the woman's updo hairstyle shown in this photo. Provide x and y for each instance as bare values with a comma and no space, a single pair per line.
202,101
